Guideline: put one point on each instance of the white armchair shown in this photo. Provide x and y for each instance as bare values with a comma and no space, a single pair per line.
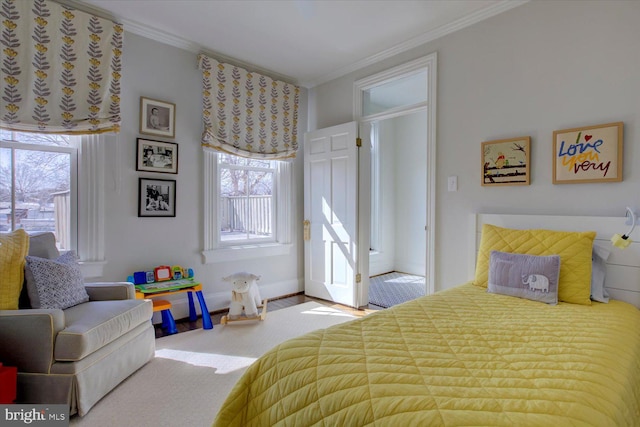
77,355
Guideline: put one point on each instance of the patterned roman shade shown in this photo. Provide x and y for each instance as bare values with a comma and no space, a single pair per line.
248,114
61,69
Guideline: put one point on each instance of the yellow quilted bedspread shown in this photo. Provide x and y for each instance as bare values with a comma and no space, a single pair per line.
459,357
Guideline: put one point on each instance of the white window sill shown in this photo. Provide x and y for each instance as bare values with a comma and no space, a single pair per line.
243,252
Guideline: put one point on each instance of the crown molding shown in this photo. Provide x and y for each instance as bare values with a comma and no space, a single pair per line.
182,43
429,36
172,39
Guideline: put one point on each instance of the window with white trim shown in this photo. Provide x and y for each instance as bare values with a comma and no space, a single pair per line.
38,189
53,182
246,200
248,207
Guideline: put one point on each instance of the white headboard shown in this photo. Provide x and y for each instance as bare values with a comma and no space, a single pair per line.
623,267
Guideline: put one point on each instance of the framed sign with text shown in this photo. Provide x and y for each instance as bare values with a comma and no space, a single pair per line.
588,154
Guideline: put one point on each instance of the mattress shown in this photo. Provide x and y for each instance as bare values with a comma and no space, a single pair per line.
459,357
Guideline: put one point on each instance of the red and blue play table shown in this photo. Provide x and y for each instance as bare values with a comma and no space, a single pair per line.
185,285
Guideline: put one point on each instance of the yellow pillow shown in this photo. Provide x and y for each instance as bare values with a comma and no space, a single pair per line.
574,249
13,248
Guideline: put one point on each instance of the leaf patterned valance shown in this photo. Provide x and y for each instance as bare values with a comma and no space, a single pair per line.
61,69
248,114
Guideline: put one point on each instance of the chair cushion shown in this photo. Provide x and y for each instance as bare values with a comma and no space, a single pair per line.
94,324
13,248
43,245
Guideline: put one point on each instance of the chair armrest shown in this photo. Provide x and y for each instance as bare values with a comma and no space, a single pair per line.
106,291
28,338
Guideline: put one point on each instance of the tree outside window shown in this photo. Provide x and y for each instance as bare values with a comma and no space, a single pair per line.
35,183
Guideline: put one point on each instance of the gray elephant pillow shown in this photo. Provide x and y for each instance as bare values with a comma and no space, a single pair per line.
525,276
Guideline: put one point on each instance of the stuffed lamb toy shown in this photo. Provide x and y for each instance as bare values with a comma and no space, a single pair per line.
244,295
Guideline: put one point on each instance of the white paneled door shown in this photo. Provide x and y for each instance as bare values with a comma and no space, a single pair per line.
331,214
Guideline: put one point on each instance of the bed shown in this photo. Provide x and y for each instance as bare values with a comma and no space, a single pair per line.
466,356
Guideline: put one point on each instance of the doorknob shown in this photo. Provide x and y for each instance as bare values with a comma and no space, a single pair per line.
307,229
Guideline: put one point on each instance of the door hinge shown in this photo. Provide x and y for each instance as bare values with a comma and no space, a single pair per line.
358,278
307,229
358,142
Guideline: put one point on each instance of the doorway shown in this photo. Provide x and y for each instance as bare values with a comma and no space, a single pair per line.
397,257
338,182
399,106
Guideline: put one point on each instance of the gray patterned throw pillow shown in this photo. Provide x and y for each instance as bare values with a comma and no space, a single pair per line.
55,283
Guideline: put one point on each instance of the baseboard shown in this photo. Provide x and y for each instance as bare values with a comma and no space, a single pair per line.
416,269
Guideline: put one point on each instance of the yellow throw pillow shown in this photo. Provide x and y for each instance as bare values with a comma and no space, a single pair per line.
574,249
13,248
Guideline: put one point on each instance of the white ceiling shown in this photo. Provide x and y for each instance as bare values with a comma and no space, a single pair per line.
306,42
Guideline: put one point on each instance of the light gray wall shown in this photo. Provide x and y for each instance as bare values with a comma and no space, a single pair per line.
403,180
383,259
411,188
534,69
166,73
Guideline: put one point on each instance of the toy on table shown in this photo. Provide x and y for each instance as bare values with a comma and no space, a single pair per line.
245,296
160,273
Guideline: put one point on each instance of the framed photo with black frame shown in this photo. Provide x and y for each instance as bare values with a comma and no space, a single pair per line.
157,197
156,156
157,117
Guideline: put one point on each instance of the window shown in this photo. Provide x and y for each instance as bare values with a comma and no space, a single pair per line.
44,187
395,93
246,199
37,184
248,207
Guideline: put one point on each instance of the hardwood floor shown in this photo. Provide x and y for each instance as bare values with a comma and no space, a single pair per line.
183,325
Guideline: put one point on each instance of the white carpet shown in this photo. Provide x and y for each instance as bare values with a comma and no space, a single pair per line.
193,372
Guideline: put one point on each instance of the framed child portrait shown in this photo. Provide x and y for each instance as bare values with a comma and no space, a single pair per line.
157,117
